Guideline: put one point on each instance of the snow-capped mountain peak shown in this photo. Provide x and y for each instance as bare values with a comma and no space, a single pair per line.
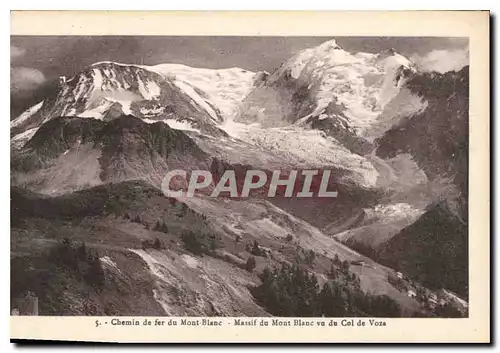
350,90
223,88
197,99
93,91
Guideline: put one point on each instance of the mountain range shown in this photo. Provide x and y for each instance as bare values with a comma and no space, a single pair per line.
87,163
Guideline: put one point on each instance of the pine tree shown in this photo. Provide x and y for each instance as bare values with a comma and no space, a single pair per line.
65,254
256,249
332,273
95,272
157,244
345,266
82,252
309,256
331,301
250,265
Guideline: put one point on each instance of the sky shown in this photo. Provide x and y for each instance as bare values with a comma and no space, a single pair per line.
37,61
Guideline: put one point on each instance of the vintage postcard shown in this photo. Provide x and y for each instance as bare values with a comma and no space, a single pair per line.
250,176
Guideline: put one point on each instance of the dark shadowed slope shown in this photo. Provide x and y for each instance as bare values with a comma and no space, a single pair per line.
433,250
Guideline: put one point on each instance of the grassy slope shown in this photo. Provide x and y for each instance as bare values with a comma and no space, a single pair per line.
114,218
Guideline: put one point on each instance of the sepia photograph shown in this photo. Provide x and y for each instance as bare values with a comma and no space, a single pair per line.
271,176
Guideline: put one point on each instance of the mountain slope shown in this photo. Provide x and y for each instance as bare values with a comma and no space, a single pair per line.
332,90
68,154
394,139
221,89
437,137
187,98
119,222
433,250
373,227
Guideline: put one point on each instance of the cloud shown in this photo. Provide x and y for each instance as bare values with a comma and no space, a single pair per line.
16,52
443,60
25,78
